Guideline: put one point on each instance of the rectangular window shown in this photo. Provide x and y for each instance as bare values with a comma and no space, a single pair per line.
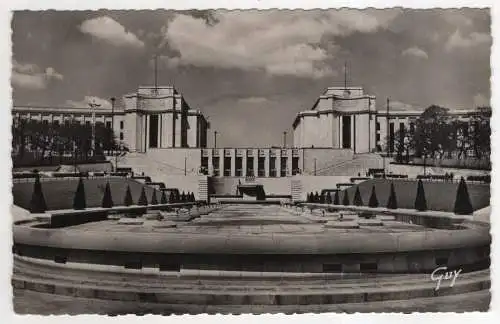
401,127
121,136
346,131
261,170
215,165
412,127
378,126
250,171
56,122
204,162
378,137
238,167
121,124
283,166
153,131
272,166
87,123
227,166
108,124
295,165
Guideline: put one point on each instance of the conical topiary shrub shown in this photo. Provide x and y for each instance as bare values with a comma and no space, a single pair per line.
392,202
310,197
163,199
316,197
128,201
171,199
177,197
107,199
193,198
336,199
37,203
79,201
373,203
328,198
322,198
463,205
420,201
358,201
183,197
143,200
345,200
154,200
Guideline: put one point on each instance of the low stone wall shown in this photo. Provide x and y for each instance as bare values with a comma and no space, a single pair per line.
413,170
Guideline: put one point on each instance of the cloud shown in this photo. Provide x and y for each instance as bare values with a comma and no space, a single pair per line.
252,100
30,76
456,18
415,52
278,42
458,41
107,29
481,100
104,104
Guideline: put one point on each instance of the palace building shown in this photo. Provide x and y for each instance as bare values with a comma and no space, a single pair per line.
157,121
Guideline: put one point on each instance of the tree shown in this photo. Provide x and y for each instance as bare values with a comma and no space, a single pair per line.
154,200
345,200
328,198
163,197
128,201
143,200
37,203
392,202
463,204
373,203
358,201
107,200
172,198
336,199
420,201
316,197
79,201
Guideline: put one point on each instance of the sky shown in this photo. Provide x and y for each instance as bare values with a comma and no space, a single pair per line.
250,72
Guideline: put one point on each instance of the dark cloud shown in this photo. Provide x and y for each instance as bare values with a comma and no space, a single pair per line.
230,65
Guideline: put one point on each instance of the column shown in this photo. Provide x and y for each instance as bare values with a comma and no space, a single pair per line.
352,132
244,163
266,163
278,164
233,162
210,162
341,131
221,162
289,162
255,162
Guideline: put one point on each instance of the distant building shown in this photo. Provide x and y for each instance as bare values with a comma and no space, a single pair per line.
151,118
158,122
347,118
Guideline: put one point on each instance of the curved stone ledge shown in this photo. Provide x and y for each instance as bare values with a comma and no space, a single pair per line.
256,297
318,243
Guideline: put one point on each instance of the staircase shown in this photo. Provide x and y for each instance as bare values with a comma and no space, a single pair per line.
296,186
360,163
203,189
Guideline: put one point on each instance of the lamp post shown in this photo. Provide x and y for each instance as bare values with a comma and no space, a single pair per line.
113,99
284,139
215,139
93,106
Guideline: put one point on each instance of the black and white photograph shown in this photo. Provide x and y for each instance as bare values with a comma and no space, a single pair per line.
250,161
